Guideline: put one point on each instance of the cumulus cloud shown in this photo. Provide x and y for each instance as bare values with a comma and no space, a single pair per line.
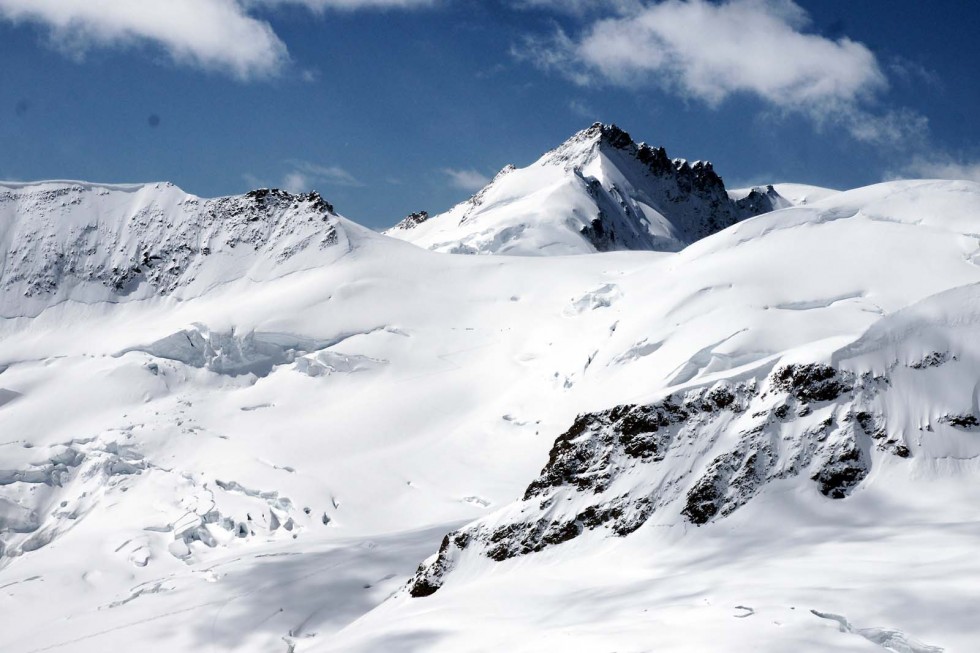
221,35
710,51
468,180
211,34
303,176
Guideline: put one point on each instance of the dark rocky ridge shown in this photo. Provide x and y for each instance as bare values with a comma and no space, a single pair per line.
698,177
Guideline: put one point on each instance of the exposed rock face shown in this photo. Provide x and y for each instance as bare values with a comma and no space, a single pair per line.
700,454
811,382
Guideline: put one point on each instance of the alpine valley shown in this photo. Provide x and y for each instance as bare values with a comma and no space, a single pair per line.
606,404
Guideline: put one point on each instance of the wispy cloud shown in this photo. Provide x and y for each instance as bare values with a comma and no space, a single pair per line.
468,180
709,51
940,167
310,75
583,110
219,35
322,5
303,176
580,7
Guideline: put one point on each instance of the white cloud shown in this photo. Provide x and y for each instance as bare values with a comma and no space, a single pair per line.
942,167
710,51
468,180
305,175
219,35
211,34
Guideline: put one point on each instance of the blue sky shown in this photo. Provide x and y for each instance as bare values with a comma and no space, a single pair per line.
390,106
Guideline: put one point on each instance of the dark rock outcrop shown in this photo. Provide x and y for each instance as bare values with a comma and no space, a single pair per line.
701,455
412,220
758,201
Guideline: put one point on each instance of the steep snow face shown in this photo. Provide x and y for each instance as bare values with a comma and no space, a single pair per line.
745,439
88,242
598,191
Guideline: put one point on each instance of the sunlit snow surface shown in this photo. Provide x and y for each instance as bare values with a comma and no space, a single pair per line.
257,453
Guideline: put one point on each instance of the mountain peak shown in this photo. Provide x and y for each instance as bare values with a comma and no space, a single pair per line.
584,145
610,134
600,190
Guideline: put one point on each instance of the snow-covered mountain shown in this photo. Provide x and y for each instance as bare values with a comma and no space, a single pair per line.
90,242
598,191
766,441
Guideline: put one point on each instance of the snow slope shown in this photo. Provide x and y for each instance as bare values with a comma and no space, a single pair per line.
764,442
598,191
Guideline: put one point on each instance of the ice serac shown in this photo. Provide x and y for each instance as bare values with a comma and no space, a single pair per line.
598,191
91,242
